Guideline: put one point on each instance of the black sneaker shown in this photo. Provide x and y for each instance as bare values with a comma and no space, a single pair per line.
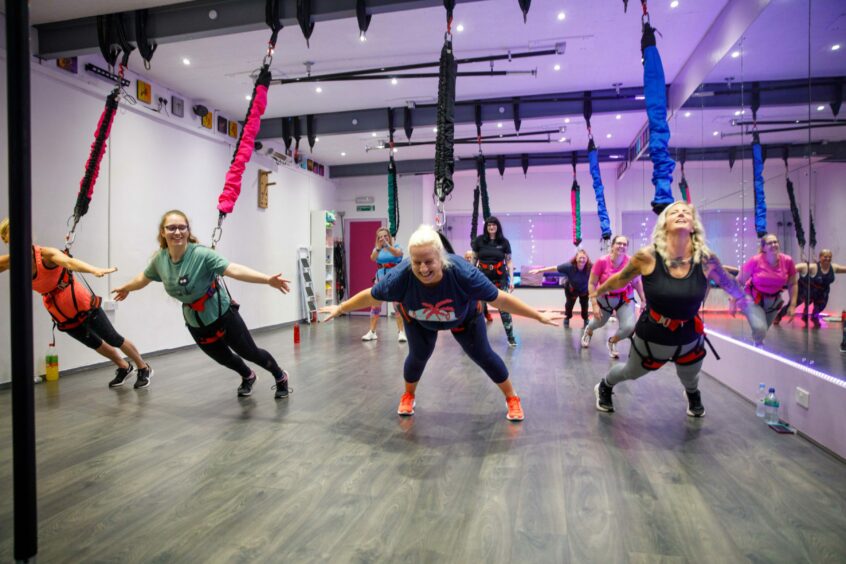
143,378
512,342
281,387
694,404
246,387
566,322
843,347
121,375
603,393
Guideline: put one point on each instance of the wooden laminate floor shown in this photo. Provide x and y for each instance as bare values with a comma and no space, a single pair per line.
186,472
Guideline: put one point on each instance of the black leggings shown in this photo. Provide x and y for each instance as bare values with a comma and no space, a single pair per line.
473,339
235,337
572,296
96,329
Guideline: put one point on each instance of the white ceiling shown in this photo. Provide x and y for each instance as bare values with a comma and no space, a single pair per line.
603,48
46,11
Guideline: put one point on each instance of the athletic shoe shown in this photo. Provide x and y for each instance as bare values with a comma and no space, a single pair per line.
246,387
515,410
281,387
121,374
143,378
603,393
401,337
407,403
585,338
816,321
843,347
694,404
369,336
566,322
612,349
512,342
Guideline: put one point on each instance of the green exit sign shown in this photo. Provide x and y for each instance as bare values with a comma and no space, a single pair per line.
371,207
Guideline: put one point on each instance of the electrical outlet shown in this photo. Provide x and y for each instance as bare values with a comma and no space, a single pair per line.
803,397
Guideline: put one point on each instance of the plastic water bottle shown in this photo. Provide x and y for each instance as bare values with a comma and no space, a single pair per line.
771,405
51,364
760,410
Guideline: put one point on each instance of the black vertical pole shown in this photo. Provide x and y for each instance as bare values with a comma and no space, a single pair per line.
23,405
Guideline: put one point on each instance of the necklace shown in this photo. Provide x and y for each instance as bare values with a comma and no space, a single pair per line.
677,262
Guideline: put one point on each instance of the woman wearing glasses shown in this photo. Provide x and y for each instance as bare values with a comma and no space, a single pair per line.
191,273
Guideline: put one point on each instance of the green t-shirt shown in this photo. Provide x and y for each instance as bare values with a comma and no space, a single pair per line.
190,278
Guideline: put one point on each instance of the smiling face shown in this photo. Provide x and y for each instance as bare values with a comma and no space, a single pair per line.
769,245
619,247
383,236
679,219
825,258
426,264
581,260
175,230
491,229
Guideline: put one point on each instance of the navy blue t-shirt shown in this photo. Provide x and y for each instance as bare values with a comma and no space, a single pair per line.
440,307
576,279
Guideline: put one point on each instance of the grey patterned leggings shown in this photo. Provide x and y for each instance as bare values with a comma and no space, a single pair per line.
633,368
625,316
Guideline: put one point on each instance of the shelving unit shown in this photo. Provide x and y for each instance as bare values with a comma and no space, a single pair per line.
323,255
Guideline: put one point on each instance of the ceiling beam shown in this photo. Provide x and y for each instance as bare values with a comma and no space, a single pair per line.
709,96
835,151
206,18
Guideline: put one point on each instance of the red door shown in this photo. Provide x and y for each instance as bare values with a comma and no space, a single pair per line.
360,236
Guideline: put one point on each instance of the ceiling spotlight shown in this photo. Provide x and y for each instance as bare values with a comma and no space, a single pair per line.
640,97
687,114
566,120
373,134
619,116
187,62
557,67
362,37
608,136
434,130
737,112
562,139
715,133
396,150
561,16
343,154
317,139
459,28
674,4
820,108
249,96
835,47
499,124
735,54
394,81
318,89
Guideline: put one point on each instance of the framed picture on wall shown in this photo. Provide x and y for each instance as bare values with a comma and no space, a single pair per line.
206,120
222,125
233,129
144,91
177,106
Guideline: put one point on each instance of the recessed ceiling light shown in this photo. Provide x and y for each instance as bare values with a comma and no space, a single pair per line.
715,133
737,112
394,81
318,89
373,134
343,154
820,108
566,120
835,47
396,150
687,114
249,96
362,37
608,136
640,97
499,124
557,67
562,139
317,139
674,4
735,54
619,116
459,28
561,16
615,156
186,61
434,130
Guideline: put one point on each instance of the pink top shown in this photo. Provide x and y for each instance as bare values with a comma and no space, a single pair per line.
766,278
604,269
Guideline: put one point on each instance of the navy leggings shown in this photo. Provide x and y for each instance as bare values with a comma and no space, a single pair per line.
236,337
473,339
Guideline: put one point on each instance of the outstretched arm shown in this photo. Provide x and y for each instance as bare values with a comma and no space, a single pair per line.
247,274
637,266
136,283
838,268
59,258
4,263
544,269
512,304
361,300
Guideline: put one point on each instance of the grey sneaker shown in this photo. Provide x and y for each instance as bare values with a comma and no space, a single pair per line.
121,375
143,378
246,388
585,338
282,390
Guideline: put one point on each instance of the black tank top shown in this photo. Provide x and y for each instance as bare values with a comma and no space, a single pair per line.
821,281
674,298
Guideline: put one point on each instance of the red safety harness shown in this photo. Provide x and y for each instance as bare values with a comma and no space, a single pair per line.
625,298
492,267
759,297
650,362
199,305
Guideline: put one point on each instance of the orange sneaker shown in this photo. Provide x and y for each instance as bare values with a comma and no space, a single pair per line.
407,403
515,410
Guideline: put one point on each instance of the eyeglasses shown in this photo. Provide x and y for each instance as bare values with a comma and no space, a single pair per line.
175,228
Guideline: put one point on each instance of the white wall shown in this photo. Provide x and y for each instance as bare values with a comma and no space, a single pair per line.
151,167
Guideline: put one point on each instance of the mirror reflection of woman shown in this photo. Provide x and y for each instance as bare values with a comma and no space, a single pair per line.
77,312
815,280
493,258
675,270
577,273
437,291
764,275
386,254
619,301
